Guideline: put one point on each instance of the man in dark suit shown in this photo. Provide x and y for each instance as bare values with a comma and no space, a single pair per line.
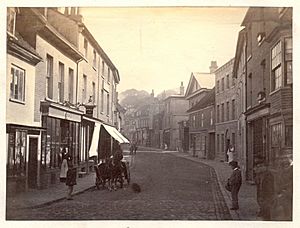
235,182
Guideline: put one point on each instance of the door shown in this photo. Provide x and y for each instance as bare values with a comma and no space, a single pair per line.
211,149
32,163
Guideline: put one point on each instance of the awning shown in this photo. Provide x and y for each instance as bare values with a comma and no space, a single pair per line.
115,134
95,140
93,151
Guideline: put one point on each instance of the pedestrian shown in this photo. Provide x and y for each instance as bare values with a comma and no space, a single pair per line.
135,148
131,148
71,179
230,153
64,165
234,183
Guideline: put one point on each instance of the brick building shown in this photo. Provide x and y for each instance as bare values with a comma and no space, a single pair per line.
202,126
269,113
226,115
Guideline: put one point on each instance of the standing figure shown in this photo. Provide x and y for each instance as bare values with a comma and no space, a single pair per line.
135,147
235,182
131,148
64,165
71,179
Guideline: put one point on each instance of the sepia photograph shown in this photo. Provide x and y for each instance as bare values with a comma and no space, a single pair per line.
148,113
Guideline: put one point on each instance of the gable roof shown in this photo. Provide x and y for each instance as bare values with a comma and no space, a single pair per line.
207,100
200,81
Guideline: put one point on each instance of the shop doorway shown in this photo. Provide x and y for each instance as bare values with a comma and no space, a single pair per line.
32,162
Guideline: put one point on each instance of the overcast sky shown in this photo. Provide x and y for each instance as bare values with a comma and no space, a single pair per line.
157,48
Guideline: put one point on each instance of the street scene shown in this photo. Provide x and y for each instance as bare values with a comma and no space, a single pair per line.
149,113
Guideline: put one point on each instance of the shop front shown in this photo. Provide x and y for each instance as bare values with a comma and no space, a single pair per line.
22,151
62,126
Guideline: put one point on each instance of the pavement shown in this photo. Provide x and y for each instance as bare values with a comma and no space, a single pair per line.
39,198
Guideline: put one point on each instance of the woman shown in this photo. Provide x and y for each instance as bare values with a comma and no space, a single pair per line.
71,179
64,165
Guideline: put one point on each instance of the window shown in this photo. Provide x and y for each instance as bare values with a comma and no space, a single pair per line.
233,109
94,91
194,121
102,100
227,110
71,85
222,85
276,74
107,105
232,81
85,46
94,58
222,112
108,75
227,81
16,159
11,20
218,113
49,76
103,68
60,84
218,86
288,61
17,84
202,119
276,134
218,143
211,117
84,88
289,135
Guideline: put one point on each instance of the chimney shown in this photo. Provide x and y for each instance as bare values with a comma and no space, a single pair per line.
73,11
152,93
181,89
213,66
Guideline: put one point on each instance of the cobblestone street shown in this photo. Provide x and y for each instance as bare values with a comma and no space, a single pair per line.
172,189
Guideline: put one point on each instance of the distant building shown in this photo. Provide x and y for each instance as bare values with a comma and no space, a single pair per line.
174,112
202,127
226,114
200,84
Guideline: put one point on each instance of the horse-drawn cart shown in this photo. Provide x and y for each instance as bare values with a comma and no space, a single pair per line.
112,173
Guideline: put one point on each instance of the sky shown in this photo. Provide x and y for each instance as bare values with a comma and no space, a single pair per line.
158,47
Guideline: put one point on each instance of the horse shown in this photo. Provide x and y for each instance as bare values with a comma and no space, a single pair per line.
110,172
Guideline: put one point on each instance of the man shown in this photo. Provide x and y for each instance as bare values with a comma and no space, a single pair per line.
235,182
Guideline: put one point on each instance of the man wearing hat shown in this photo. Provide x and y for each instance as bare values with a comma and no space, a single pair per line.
235,182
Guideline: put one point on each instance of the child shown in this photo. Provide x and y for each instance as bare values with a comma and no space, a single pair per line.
71,179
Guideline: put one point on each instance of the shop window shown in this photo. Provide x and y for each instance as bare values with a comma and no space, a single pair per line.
16,163
276,134
288,135
17,83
